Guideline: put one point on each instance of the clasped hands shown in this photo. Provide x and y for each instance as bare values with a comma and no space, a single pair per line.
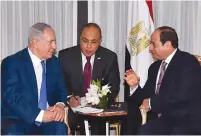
133,80
54,113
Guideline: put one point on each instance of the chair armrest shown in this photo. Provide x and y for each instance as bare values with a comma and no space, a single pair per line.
144,116
66,120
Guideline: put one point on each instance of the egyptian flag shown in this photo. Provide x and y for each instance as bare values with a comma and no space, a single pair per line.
139,28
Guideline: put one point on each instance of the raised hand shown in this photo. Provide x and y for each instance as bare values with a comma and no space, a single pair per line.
131,78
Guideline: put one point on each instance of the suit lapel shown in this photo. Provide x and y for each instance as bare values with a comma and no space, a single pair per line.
49,76
77,68
30,73
78,64
172,65
171,70
97,66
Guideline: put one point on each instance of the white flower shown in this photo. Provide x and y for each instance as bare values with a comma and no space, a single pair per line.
100,95
95,101
105,89
95,93
94,87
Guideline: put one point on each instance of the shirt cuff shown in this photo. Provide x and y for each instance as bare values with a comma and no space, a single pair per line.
132,90
69,96
39,118
61,103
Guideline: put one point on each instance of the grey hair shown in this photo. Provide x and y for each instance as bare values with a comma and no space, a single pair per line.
37,31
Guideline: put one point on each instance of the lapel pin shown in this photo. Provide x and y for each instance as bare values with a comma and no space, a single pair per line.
99,58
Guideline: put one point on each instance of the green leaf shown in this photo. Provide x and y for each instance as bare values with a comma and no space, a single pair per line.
97,82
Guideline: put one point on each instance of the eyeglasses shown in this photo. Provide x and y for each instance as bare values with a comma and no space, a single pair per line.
50,42
92,42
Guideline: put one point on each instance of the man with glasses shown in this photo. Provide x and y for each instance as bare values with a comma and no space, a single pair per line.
33,90
86,62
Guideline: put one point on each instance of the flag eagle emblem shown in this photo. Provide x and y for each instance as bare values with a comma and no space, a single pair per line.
139,38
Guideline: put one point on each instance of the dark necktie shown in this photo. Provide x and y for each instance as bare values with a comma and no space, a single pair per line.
43,91
86,76
162,72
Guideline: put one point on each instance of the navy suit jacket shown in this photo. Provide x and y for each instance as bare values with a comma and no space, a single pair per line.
179,96
105,68
19,87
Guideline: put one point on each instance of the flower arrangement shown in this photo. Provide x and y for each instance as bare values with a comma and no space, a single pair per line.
97,95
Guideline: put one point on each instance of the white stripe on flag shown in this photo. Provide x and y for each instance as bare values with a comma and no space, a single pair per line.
141,25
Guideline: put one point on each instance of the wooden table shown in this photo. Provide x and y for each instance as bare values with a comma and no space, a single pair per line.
105,115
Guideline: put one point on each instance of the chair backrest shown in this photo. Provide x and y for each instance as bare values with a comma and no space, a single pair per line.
199,58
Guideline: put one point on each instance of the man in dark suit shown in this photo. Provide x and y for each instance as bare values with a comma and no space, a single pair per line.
103,62
33,89
172,93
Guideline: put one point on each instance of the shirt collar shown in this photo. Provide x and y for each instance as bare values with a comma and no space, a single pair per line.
85,59
169,58
35,60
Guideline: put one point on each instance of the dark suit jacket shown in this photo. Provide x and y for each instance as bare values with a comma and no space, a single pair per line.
19,87
105,67
179,97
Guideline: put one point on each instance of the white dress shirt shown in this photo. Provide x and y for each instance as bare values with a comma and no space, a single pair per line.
84,61
167,60
38,72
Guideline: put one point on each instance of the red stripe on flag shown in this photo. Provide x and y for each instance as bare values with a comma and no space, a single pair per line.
149,3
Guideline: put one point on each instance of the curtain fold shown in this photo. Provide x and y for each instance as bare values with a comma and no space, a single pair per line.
184,16
18,16
111,16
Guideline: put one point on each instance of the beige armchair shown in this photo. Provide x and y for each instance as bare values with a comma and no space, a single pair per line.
66,120
144,116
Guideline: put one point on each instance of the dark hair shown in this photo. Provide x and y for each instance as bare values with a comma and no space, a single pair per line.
92,25
168,34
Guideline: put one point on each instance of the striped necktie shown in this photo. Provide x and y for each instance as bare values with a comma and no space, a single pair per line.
162,72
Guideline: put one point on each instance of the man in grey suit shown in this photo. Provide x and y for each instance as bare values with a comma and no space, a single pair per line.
103,66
